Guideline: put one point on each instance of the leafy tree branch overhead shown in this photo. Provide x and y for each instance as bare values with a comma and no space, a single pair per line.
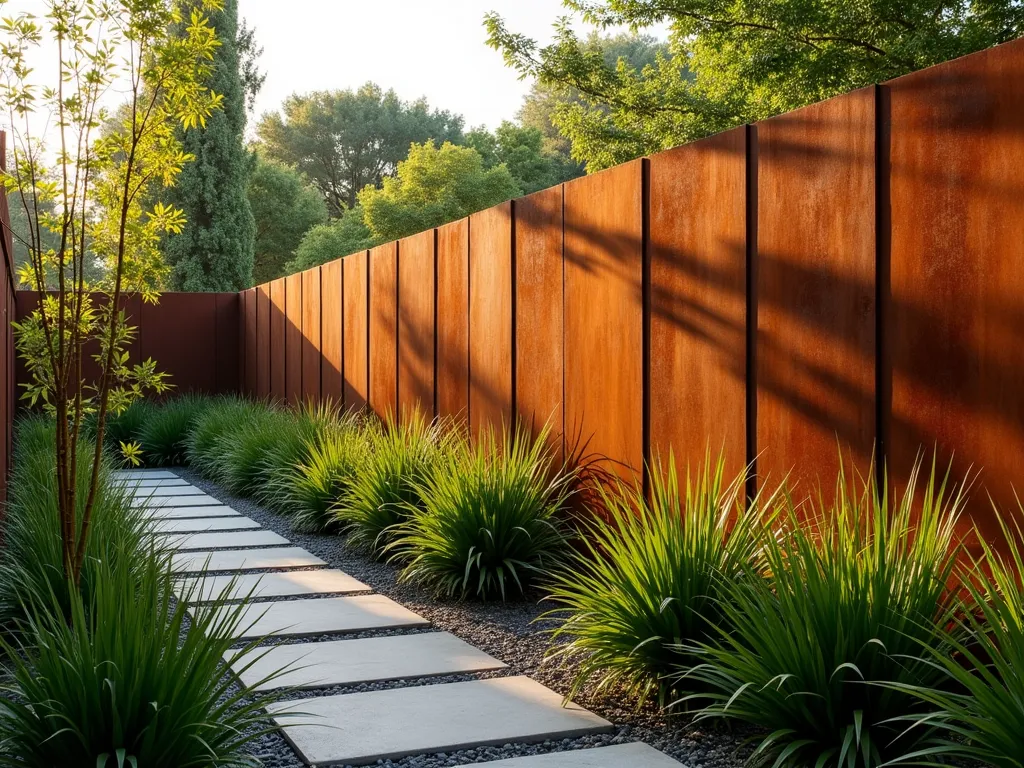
727,62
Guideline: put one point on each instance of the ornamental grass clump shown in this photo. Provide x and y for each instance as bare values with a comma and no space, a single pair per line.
980,701
127,679
400,459
816,653
486,523
124,427
649,577
223,417
163,435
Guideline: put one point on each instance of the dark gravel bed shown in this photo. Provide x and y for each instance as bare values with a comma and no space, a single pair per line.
510,632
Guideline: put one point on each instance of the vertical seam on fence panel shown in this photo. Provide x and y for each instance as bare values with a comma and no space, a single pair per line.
565,443
645,324
751,319
320,332
513,367
435,334
469,328
883,285
397,351
366,328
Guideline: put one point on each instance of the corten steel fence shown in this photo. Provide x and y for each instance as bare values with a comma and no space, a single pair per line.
846,275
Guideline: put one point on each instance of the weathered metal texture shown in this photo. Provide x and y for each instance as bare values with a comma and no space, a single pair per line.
957,281
490,318
311,315
604,317
383,317
229,323
356,330
331,331
416,324
180,334
696,248
538,321
263,340
293,338
453,320
248,342
278,326
816,290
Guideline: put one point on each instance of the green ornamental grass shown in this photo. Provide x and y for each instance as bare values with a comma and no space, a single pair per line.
124,683
647,579
164,433
400,459
486,521
981,699
224,416
277,467
814,654
125,427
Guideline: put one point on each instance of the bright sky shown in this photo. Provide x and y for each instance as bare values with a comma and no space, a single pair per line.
419,48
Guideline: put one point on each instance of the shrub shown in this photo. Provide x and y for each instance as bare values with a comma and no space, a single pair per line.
128,681
485,523
982,701
33,556
332,461
163,436
242,449
648,577
401,458
815,653
125,427
278,467
223,415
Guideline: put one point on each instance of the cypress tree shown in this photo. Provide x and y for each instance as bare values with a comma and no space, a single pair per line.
214,252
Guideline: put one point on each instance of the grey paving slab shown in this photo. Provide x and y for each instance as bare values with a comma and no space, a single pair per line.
204,524
370,660
281,584
149,474
362,728
162,491
243,559
636,755
305,618
198,500
219,540
176,482
176,513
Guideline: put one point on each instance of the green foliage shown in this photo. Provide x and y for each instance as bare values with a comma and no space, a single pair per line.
816,653
981,701
276,470
327,242
285,207
345,140
486,524
648,578
33,556
401,458
433,186
247,447
213,426
521,150
130,680
728,62
214,250
126,426
165,430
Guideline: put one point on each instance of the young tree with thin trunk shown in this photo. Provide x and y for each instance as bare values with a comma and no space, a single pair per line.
91,234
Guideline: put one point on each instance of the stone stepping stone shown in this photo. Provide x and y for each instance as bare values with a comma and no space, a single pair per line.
243,559
176,513
148,474
362,728
370,660
204,524
219,540
330,615
637,755
198,500
164,491
146,483
283,584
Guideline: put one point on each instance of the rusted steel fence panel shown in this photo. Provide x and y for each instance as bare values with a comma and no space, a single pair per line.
816,290
263,312
604,316
490,318
293,338
538,281
356,327
331,331
383,318
696,248
453,320
956,319
248,341
416,264
278,326
311,314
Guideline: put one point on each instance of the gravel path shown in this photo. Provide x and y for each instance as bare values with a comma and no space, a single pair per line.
510,632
